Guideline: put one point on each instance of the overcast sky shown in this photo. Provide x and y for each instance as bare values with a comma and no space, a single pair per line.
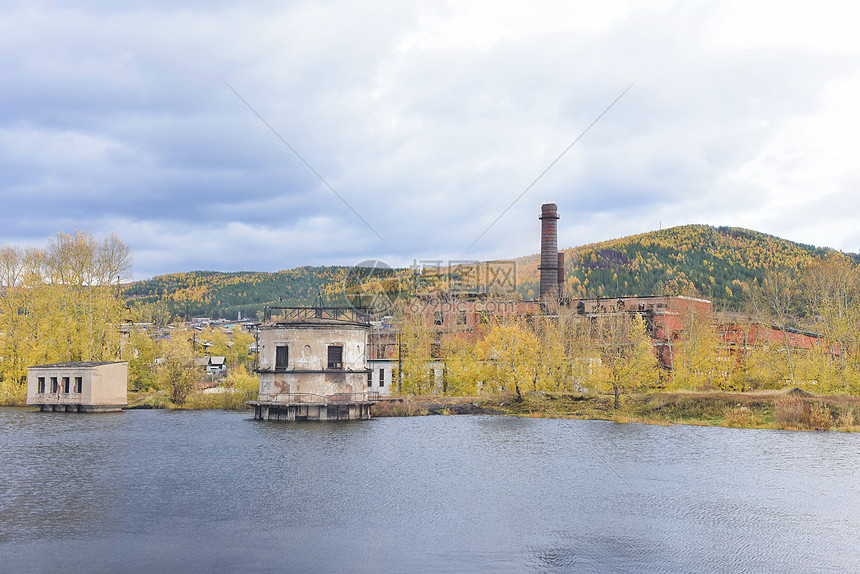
429,119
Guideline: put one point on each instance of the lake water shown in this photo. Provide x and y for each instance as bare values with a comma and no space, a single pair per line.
209,491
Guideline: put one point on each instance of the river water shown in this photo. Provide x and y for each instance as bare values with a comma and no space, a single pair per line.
211,491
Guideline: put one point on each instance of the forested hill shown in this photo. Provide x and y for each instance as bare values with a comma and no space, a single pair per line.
718,263
216,294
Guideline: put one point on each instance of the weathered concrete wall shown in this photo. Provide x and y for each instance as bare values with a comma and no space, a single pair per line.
104,386
307,369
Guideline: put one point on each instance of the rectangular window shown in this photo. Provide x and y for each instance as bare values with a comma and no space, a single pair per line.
435,350
438,319
66,386
461,318
79,384
335,357
54,386
282,357
369,378
381,377
41,384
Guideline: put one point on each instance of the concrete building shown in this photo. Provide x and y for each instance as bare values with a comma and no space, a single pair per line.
313,365
78,387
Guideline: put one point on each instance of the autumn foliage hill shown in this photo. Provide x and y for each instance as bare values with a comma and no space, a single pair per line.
719,263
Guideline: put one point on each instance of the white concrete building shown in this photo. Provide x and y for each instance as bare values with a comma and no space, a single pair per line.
78,387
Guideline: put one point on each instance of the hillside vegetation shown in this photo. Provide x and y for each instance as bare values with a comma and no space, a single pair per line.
225,295
719,263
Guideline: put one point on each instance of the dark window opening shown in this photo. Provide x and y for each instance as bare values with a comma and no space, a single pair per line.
282,357
370,378
79,384
41,384
461,318
381,377
438,319
54,386
335,357
66,385
435,350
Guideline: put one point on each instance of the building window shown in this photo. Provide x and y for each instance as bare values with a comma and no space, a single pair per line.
79,385
41,384
435,350
54,386
66,385
381,377
282,357
335,356
438,319
369,378
461,318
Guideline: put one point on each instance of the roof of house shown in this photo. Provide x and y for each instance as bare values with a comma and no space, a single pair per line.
72,364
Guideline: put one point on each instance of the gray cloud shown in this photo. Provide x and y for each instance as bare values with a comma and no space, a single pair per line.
429,119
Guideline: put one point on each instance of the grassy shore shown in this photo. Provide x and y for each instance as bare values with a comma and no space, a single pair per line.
792,409
195,401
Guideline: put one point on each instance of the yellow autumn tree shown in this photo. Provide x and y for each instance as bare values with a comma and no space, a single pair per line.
625,353
508,352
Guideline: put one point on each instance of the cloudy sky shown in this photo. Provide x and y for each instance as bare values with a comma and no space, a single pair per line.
429,119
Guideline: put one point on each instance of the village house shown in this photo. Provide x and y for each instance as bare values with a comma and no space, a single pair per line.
78,387
313,365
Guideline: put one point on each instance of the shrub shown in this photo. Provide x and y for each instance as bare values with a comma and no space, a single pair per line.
739,417
790,411
846,418
819,417
12,394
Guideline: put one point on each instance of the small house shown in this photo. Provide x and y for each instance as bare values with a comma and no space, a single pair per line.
78,387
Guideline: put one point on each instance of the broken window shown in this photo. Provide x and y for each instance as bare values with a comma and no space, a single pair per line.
41,384
438,319
66,385
79,384
335,356
282,357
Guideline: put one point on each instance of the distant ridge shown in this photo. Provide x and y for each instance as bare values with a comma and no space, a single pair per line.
719,263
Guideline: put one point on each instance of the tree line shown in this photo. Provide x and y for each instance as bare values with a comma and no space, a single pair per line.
62,302
798,328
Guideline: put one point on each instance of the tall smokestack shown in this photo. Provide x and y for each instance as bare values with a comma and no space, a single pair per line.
560,273
549,252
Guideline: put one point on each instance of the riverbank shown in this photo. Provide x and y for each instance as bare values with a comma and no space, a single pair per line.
792,409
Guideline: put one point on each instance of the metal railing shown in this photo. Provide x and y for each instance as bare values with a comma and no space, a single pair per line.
313,398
